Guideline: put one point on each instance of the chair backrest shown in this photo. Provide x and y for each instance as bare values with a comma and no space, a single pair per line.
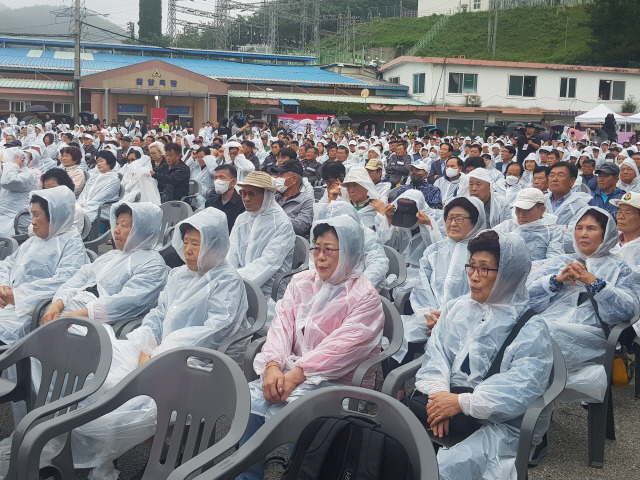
187,416
170,256
318,193
8,245
257,311
68,352
86,227
86,175
393,193
393,329
17,219
173,212
585,188
300,253
395,420
93,256
194,187
397,266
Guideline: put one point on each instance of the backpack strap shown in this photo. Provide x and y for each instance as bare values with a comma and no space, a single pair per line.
495,365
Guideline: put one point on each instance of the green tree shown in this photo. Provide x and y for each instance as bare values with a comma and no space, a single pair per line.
613,23
150,21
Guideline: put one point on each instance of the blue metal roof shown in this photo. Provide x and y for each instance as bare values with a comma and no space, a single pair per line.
56,61
289,102
150,50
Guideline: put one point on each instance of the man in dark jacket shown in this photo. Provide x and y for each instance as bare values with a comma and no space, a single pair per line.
398,164
226,197
311,166
247,151
272,159
173,177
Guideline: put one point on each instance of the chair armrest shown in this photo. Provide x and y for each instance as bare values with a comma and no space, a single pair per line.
612,341
281,276
130,327
527,428
252,350
93,244
364,367
239,336
121,324
398,376
401,301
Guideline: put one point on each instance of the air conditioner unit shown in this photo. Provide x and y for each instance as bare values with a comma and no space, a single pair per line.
473,100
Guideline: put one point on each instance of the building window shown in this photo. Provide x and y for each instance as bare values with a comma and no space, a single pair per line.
522,86
463,83
476,4
63,108
19,106
567,87
394,79
418,83
611,90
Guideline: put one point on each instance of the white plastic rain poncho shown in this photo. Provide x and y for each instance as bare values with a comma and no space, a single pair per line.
366,213
634,186
100,188
16,183
202,175
262,245
40,266
441,278
448,188
575,327
198,309
476,331
137,180
128,281
327,328
410,242
244,166
376,263
40,164
496,208
543,238
566,214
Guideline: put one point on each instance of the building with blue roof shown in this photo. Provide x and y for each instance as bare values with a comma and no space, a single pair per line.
120,81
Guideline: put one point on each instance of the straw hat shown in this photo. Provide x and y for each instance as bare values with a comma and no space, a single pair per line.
260,180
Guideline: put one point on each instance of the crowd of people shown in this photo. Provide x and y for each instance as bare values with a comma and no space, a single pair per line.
490,229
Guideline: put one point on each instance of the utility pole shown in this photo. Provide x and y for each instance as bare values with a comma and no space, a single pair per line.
76,62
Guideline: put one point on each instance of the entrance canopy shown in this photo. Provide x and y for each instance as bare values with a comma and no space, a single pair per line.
598,114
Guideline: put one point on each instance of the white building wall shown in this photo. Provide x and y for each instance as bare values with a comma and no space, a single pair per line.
449,7
493,86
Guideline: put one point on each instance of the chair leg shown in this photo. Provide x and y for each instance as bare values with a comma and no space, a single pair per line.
611,429
597,426
636,351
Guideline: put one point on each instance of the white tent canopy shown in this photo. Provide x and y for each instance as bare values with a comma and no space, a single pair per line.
633,118
598,114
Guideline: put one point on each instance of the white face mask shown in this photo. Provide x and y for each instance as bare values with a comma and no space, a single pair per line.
278,183
511,180
221,186
451,172
433,154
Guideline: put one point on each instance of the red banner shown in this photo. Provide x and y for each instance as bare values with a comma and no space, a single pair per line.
158,115
299,122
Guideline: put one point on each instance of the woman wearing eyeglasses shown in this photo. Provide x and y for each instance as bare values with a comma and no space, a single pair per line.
442,276
565,290
328,322
463,345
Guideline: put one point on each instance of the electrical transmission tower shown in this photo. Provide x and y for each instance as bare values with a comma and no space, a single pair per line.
272,37
492,29
171,20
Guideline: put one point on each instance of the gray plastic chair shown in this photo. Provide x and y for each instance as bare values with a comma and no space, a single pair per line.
86,228
585,189
173,212
256,314
74,366
97,238
600,415
397,267
93,256
8,245
194,190
395,420
393,193
403,304
299,263
199,385
318,193
396,379
38,312
17,219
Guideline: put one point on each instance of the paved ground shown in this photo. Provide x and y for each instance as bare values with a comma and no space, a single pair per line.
567,458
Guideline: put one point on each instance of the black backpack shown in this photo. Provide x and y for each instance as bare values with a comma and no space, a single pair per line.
347,448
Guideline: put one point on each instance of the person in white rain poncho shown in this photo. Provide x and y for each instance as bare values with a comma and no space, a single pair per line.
529,219
478,184
376,263
232,155
102,186
362,194
328,322
409,226
262,237
203,303
42,264
629,176
449,183
17,180
464,343
628,248
563,289
136,180
122,283
441,276
203,169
